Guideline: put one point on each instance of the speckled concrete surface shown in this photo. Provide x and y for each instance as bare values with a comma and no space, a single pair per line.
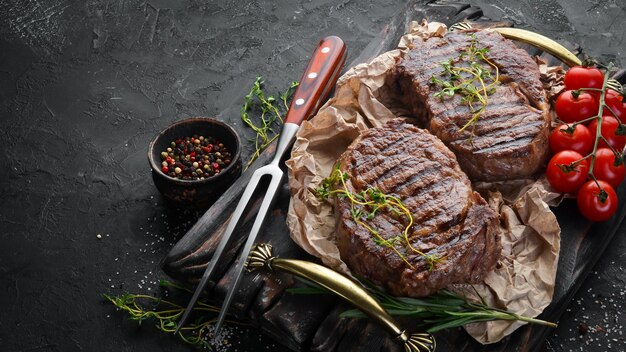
84,85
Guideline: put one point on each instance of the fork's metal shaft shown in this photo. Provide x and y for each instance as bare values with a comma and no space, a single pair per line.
269,198
273,170
285,140
245,197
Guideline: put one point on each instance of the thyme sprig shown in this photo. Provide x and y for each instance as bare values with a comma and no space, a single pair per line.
271,115
442,310
474,82
142,308
364,207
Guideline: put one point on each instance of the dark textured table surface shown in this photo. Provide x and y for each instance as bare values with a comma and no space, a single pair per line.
84,85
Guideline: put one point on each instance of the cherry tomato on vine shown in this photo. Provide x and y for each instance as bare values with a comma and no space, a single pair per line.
605,168
564,177
613,98
583,77
572,106
597,204
609,132
579,140
615,101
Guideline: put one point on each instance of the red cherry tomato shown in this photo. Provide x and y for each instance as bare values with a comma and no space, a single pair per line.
613,98
605,168
615,101
579,140
573,107
597,204
562,176
609,132
583,77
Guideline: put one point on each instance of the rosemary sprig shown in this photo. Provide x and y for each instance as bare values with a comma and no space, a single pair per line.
364,206
166,313
271,115
442,310
473,82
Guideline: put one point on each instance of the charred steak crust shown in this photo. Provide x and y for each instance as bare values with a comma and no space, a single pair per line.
510,139
451,220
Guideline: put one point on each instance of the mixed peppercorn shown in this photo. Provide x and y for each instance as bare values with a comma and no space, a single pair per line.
194,158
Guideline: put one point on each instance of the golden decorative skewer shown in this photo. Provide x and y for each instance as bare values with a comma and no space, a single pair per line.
261,257
535,39
540,42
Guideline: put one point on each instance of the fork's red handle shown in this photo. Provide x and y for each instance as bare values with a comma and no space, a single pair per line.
319,77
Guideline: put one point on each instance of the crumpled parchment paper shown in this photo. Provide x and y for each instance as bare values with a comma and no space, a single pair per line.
523,281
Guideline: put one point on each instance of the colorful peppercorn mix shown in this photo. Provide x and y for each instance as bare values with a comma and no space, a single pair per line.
194,158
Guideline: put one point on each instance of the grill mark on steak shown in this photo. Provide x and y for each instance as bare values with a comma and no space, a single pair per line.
375,157
514,126
450,220
388,168
506,146
422,170
418,195
505,121
505,115
509,135
437,216
492,136
497,102
422,194
504,97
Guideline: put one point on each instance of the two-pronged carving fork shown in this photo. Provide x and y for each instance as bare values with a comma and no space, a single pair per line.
318,79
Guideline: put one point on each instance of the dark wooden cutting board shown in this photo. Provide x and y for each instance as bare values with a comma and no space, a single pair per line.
312,322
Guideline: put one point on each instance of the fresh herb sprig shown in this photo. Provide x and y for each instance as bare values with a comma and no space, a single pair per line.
142,308
442,310
270,118
364,207
473,82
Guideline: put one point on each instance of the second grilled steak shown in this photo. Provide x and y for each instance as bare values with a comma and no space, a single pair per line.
509,139
451,221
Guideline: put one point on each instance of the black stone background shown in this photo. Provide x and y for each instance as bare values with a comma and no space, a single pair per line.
84,85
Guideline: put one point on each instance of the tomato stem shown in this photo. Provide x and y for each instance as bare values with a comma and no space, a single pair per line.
590,62
619,159
589,89
610,146
569,130
595,117
614,114
593,177
599,126
602,196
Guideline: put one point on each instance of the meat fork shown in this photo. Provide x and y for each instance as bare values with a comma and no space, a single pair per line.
317,80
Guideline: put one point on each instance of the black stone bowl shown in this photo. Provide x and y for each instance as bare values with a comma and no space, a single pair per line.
195,193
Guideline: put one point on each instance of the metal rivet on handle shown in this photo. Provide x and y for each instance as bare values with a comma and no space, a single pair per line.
300,101
312,75
325,49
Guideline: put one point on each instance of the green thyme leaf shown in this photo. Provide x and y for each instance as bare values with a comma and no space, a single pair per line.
473,80
271,115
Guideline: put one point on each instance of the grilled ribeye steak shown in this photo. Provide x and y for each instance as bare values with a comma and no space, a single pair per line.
451,221
509,139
